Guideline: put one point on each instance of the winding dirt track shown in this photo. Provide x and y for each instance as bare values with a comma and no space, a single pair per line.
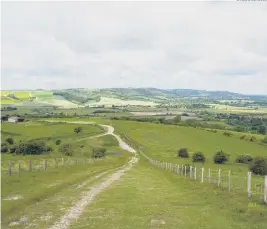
89,196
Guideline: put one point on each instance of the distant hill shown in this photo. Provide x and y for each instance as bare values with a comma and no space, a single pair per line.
86,97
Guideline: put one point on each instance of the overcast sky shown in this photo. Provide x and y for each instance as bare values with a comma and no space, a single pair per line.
197,45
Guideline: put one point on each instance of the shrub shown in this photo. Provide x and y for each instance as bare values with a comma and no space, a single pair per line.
35,147
242,137
66,149
220,157
265,139
4,148
252,139
78,130
245,159
12,149
10,141
58,142
198,157
259,166
98,152
183,152
228,134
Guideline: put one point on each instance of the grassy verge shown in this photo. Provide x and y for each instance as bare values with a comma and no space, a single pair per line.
148,197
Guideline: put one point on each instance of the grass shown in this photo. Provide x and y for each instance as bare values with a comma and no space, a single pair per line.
42,192
148,197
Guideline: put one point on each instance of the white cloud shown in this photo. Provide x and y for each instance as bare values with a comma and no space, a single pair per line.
211,45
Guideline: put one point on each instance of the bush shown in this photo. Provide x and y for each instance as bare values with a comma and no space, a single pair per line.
183,152
252,139
220,157
10,141
66,149
242,137
58,142
259,166
198,157
265,139
4,148
78,130
245,159
98,152
12,149
228,134
32,148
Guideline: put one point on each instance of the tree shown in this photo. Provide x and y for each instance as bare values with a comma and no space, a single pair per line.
259,166
66,149
35,147
198,157
58,142
78,130
177,119
220,157
183,152
10,141
245,159
262,129
98,152
4,148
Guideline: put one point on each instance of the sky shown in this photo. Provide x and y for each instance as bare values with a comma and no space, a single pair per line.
197,45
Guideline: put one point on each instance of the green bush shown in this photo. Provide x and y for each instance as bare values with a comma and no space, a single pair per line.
35,147
245,159
98,152
183,152
78,130
252,139
259,166
242,137
4,148
12,149
58,142
198,157
10,141
228,134
265,139
220,157
66,149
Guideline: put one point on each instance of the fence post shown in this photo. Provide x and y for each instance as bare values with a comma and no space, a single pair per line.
195,173
249,184
9,168
178,169
190,172
19,166
185,170
45,164
219,177
229,180
202,175
209,176
265,189
182,169
30,165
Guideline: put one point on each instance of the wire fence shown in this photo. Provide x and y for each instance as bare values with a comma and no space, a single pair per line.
253,185
19,166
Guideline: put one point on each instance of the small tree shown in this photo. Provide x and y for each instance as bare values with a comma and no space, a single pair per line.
220,157
77,130
245,159
66,149
259,166
58,142
98,152
4,148
198,157
10,141
183,152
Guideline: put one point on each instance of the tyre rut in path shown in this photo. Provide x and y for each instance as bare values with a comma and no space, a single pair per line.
89,196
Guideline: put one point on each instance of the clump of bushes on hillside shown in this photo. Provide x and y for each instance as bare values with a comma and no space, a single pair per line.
198,157
242,137
220,157
10,141
259,166
4,148
245,159
58,142
66,149
228,134
183,152
34,147
98,152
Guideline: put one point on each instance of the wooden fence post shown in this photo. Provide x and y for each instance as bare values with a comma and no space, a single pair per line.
249,184
185,170
195,173
202,175
19,166
9,168
209,175
229,180
182,170
45,164
219,177
30,165
178,169
265,189
190,173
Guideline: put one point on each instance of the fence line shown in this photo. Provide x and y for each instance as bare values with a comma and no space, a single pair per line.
17,167
222,179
